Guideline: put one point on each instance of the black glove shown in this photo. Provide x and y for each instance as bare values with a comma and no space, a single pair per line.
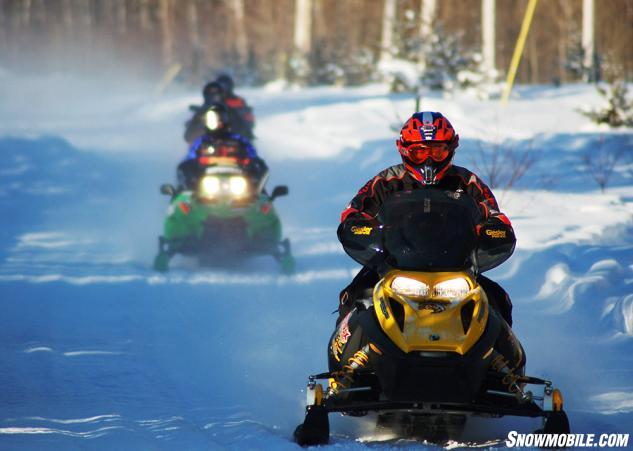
494,233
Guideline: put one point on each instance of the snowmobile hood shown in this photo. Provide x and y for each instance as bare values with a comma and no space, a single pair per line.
431,311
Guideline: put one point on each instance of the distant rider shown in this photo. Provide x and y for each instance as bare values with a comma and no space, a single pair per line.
220,91
236,104
219,145
427,145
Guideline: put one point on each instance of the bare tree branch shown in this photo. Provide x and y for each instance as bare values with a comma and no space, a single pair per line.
502,165
600,162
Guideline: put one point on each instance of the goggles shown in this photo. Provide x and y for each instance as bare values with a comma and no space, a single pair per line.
419,153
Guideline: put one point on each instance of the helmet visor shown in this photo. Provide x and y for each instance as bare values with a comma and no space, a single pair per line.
419,153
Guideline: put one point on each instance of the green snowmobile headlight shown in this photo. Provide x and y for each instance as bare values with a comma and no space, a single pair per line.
223,186
238,186
209,186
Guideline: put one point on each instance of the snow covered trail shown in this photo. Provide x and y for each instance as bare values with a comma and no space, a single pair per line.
98,351
169,364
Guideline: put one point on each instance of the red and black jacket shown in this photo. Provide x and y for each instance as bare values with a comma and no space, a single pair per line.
366,204
235,102
241,115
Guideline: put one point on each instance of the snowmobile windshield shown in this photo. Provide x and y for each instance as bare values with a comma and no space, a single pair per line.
429,230
426,230
421,230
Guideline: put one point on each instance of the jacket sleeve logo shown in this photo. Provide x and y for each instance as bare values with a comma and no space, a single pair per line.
356,230
496,233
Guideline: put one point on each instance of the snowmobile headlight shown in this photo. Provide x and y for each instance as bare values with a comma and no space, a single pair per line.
212,120
238,186
209,186
409,287
452,289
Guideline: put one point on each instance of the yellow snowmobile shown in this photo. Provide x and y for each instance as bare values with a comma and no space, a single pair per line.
425,349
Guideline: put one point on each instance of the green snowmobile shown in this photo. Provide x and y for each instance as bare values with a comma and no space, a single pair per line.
226,216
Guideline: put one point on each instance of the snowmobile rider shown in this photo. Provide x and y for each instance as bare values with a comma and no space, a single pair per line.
427,145
236,103
195,127
239,113
220,146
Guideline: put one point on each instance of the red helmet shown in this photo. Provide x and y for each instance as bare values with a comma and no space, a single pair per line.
427,144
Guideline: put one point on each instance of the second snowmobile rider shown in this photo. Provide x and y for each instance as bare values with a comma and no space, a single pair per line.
219,142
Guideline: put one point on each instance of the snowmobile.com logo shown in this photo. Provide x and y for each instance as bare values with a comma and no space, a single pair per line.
567,440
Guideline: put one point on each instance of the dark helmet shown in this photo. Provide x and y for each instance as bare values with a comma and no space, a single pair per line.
427,144
226,82
213,92
216,118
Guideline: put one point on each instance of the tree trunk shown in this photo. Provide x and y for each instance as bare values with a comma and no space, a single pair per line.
192,24
241,41
488,40
303,26
388,23
566,31
194,41
167,36
143,14
588,19
428,13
